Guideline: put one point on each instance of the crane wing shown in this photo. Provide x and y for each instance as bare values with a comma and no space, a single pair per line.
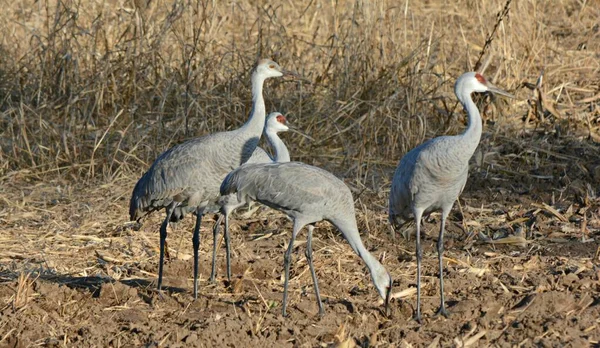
189,173
291,186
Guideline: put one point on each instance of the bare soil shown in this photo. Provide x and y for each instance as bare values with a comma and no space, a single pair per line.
76,273
91,92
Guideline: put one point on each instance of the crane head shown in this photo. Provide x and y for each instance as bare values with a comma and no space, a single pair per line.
267,68
475,82
383,283
276,122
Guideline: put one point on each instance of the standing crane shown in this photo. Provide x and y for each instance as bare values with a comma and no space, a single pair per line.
307,195
431,176
186,178
276,123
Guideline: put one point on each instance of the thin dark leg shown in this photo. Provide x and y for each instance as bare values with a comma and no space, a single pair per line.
213,273
196,244
312,268
227,248
163,240
440,247
419,252
167,255
286,264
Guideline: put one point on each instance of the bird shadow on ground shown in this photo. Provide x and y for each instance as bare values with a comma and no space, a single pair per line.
93,284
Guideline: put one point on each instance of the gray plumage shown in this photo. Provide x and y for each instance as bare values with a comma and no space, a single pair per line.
186,178
431,176
307,194
274,124
260,155
189,174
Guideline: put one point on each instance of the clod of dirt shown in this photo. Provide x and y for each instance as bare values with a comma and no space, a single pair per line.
191,338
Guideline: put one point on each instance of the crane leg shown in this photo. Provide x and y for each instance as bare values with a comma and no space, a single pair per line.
419,253
167,255
286,264
196,244
312,268
440,247
163,241
227,248
394,225
213,273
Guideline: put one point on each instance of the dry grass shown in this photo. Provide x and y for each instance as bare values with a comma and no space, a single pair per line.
97,90
91,92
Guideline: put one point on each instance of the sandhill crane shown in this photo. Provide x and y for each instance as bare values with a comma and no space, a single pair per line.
186,178
276,123
307,195
431,176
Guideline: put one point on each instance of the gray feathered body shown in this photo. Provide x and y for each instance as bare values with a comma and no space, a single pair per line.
430,176
260,156
307,194
230,202
302,191
191,173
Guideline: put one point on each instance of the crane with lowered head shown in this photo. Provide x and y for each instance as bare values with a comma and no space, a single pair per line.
307,194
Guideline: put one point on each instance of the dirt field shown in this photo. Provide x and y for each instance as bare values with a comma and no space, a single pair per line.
75,273
91,95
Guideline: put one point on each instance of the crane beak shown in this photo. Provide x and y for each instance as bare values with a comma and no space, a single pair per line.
294,75
499,91
290,73
388,296
294,130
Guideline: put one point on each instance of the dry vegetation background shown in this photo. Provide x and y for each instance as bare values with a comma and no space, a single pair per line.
92,91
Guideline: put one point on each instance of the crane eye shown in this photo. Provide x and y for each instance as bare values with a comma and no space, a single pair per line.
272,66
281,119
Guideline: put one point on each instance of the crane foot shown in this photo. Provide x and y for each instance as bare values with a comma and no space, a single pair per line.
442,311
417,318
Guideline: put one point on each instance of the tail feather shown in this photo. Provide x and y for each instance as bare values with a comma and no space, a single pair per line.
228,186
139,205
136,209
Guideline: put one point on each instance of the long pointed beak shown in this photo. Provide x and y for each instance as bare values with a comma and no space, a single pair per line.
388,296
294,130
294,75
497,90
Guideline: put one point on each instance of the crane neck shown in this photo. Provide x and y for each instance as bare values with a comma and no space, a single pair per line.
379,274
281,151
256,123
472,134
